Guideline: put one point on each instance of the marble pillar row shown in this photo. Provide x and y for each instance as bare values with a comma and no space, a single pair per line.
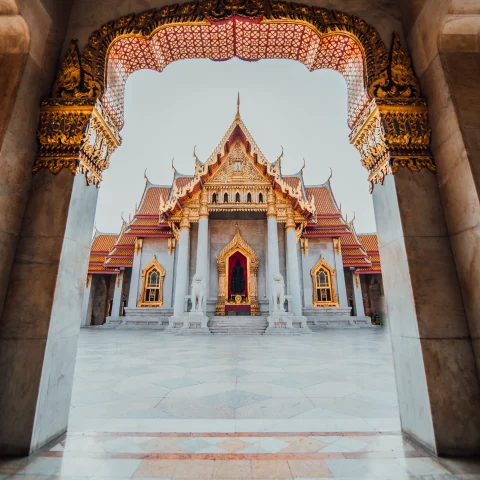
87,301
181,279
340,274
293,275
135,278
272,234
359,309
117,295
42,314
202,245
437,380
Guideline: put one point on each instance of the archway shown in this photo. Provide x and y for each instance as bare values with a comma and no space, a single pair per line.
79,130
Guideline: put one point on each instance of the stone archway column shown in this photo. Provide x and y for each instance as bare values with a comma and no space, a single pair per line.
273,254
293,275
118,295
357,295
42,315
181,279
437,380
202,245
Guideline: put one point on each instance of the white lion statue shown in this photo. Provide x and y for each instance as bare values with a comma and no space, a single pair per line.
198,293
278,292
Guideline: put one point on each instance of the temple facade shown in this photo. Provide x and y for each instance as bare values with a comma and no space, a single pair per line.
237,238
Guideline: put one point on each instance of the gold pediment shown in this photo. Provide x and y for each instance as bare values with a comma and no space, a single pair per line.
237,168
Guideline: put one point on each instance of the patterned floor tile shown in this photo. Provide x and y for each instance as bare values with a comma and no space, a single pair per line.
193,445
236,398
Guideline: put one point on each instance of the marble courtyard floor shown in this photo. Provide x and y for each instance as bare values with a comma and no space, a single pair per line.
149,405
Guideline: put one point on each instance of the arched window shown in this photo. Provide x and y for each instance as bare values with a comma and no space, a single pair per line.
152,285
225,198
214,198
152,290
237,197
249,197
324,285
260,198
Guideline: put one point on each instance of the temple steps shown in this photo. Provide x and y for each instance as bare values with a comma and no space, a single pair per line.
238,325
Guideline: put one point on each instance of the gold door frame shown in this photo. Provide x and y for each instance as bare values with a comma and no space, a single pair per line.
237,244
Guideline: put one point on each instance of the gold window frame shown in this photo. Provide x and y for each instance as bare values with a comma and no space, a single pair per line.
323,264
151,266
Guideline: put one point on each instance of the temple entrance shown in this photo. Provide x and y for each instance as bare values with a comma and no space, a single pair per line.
79,129
237,266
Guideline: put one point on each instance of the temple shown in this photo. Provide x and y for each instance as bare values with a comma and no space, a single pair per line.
236,239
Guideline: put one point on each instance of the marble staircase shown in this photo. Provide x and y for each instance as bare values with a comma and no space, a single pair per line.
238,325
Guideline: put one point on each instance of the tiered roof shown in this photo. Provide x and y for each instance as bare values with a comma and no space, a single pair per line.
316,203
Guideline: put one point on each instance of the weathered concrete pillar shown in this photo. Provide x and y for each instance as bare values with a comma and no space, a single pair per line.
293,275
181,280
340,274
117,295
358,307
87,302
437,381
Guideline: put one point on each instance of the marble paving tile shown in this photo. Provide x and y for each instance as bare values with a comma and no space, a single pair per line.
173,383
201,408
113,467
236,398
295,382
193,445
278,408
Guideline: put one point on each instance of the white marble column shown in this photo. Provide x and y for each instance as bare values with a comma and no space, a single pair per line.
181,279
357,295
135,278
272,229
87,300
202,245
293,275
340,274
117,295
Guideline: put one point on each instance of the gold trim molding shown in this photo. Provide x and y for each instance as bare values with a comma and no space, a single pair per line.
322,263
153,264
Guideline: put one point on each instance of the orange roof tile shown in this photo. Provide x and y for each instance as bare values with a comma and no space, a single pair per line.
103,242
150,204
120,262
372,269
292,181
101,269
181,182
324,202
369,242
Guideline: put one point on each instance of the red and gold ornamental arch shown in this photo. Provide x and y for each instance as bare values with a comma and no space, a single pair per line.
79,124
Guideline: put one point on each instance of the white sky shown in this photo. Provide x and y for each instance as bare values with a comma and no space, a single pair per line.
194,102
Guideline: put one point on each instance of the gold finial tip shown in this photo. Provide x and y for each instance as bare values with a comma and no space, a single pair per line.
237,116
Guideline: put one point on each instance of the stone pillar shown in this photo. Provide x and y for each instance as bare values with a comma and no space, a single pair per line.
272,251
117,295
42,315
293,275
87,300
358,307
437,380
340,274
135,278
181,280
202,245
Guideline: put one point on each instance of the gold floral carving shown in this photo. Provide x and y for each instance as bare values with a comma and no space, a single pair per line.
304,245
152,265
237,244
138,245
322,263
336,246
77,137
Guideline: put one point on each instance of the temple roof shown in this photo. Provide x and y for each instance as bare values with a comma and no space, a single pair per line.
370,245
102,243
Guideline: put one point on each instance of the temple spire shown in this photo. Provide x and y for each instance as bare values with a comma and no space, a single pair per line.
237,116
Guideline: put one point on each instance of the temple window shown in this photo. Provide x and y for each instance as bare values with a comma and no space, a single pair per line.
237,197
249,197
152,285
324,294
214,198
225,198
260,198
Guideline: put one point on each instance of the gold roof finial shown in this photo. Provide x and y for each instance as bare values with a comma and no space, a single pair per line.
237,116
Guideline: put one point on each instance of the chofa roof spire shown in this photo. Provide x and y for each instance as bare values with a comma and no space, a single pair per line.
237,116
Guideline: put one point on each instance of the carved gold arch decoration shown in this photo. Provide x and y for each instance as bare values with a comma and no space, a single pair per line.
332,301
143,300
237,244
387,115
